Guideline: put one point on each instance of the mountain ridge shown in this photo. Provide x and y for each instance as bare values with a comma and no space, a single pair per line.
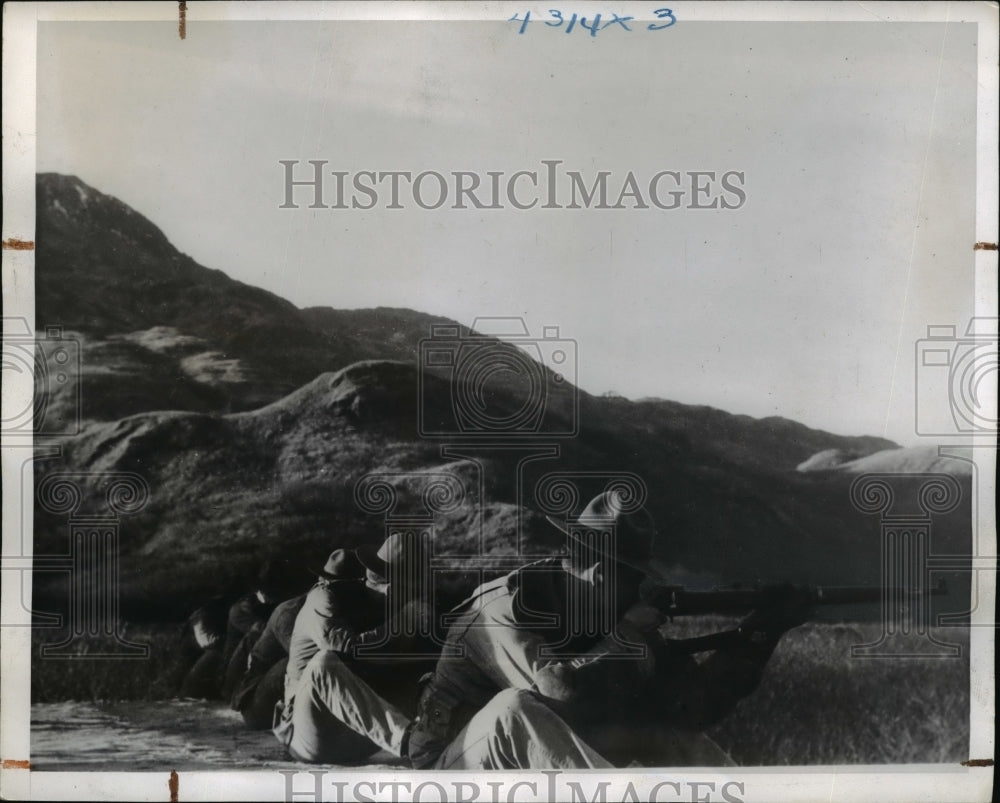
252,421
346,336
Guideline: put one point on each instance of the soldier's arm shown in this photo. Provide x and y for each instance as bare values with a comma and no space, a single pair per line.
244,616
282,622
336,634
613,671
322,621
413,621
696,695
339,634
265,652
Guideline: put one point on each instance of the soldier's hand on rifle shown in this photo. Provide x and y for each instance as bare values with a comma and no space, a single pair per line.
643,617
782,607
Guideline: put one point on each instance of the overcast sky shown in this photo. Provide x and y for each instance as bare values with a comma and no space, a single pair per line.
857,141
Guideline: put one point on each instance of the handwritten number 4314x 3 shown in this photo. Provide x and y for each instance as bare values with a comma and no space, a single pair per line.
558,20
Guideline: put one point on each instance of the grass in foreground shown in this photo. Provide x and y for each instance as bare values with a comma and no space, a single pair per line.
88,678
816,704
819,705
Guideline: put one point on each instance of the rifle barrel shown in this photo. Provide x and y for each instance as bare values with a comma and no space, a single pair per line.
848,595
681,602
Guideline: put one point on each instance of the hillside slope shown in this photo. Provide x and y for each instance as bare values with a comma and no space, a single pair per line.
159,330
251,421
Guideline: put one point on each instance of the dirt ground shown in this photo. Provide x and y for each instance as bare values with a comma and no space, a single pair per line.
136,736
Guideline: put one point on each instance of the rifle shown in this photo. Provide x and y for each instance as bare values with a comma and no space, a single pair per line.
677,601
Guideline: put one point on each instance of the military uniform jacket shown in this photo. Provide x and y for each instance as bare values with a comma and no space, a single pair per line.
335,616
517,632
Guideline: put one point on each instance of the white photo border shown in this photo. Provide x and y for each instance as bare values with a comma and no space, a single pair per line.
845,783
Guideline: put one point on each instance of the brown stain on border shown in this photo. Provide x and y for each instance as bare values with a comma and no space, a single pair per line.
978,762
14,764
985,247
182,8
14,244
174,785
